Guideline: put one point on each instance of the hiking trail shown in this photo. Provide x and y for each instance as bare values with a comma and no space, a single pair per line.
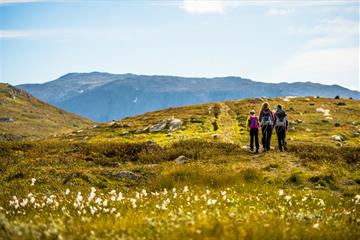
229,130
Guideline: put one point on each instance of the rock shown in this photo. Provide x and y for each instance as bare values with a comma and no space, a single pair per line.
158,127
308,130
356,134
339,144
149,142
180,160
338,138
337,124
215,136
291,109
340,104
355,123
325,120
292,129
7,119
124,175
329,118
124,133
312,104
245,147
175,123
348,183
319,187
299,121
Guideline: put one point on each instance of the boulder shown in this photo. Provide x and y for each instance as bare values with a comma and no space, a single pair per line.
337,124
307,130
180,159
158,127
292,129
7,119
175,123
215,136
338,138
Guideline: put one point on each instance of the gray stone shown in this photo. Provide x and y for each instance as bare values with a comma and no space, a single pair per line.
348,183
338,138
180,160
337,124
7,119
158,127
292,129
175,123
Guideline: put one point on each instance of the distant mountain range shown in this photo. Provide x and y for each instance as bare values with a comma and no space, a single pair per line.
104,97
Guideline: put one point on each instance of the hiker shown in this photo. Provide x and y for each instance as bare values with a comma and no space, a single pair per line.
266,118
281,126
252,124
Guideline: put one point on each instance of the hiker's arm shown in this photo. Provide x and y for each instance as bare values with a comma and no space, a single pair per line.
286,123
247,123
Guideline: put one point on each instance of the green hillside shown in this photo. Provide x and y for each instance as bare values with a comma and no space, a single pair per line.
23,116
312,120
185,173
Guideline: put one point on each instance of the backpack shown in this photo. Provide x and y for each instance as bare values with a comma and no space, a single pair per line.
280,119
254,122
266,118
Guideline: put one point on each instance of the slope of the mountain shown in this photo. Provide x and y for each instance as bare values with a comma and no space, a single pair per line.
104,97
22,115
311,120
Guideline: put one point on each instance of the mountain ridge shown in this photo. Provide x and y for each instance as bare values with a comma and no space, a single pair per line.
104,96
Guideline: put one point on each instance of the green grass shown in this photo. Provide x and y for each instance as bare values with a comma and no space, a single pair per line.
222,191
250,208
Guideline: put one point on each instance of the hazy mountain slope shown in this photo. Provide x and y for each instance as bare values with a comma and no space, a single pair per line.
22,115
104,97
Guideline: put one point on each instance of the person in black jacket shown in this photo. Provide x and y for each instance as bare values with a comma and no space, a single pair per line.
266,118
281,126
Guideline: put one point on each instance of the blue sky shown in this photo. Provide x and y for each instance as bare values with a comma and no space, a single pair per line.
270,41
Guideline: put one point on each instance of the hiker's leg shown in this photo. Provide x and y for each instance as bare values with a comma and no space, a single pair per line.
256,134
269,133
251,140
263,139
279,137
284,139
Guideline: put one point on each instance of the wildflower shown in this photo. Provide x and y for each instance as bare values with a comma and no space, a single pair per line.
24,202
186,189
316,225
144,192
357,199
211,202
98,201
92,194
32,199
14,202
165,191
120,197
174,190
105,203
304,199
79,198
118,215
113,198
33,180
137,195
112,192
287,198
321,203
281,192
207,191
67,191
112,210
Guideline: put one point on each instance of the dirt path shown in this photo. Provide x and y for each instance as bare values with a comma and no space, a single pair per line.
229,131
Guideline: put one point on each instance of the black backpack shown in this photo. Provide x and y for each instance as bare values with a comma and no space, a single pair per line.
266,118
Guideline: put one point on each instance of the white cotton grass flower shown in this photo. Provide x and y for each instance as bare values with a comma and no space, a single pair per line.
357,199
281,192
105,203
92,194
67,191
98,201
33,180
316,225
186,189
144,193
120,197
304,199
112,192
24,202
288,198
321,203
211,202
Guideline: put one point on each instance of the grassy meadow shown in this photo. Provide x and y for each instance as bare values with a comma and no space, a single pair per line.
100,183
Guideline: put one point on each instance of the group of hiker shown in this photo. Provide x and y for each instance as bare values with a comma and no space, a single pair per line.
267,121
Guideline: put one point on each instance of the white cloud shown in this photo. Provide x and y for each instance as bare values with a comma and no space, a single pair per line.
280,11
13,34
18,1
328,66
207,6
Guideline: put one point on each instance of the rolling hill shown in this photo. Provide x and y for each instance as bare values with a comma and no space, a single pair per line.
22,115
104,97
312,120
